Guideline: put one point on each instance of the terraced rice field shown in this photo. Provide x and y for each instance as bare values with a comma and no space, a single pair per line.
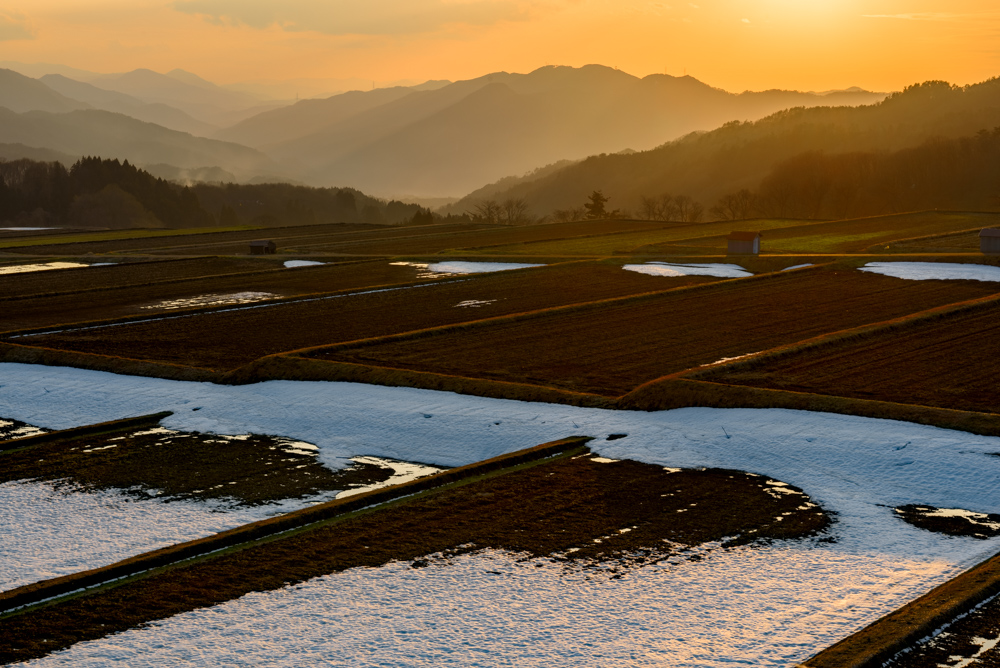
612,349
950,362
275,281
623,244
231,338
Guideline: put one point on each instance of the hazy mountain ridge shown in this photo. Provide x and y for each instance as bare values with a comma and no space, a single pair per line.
156,112
96,132
458,137
709,165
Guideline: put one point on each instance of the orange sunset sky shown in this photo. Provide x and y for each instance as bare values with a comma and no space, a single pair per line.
733,44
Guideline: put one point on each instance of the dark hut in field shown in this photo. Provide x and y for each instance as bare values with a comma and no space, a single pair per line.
989,240
743,243
263,248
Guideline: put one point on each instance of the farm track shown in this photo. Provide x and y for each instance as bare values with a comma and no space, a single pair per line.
613,349
570,509
944,361
227,339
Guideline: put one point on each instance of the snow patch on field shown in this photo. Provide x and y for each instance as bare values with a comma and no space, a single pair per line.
934,271
211,300
11,429
767,606
458,268
46,533
44,266
668,269
292,264
797,266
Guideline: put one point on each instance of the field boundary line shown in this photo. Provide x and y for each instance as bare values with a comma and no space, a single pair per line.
205,310
208,230
292,367
724,284
13,600
14,353
830,339
685,392
886,637
75,433
171,281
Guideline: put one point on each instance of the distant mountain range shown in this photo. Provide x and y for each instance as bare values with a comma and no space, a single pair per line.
455,138
437,139
710,165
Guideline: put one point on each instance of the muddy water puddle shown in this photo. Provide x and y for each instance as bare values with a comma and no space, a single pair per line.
241,470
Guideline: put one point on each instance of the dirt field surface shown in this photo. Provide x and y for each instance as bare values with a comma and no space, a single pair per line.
584,512
200,242
871,234
125,274
951,521
950,362
638,241
226,340
612,349
167,465
508,238
961,242
45,311
972,640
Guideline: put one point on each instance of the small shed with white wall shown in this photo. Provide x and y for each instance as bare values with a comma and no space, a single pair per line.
989,240
743,243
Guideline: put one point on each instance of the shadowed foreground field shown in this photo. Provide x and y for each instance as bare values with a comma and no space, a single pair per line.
609,517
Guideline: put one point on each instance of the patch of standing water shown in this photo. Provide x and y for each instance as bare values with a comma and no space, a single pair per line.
935,271
211,300
669,269
292,264
456,268
798,266
45,266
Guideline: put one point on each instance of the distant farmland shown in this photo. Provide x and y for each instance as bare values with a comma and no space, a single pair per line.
611,348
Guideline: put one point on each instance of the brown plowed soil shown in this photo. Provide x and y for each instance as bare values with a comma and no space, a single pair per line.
950,362
229,339
41,311
968,641
613,349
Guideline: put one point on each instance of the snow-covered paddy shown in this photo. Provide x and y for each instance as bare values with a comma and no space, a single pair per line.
211,300
767,606
459,268
42,266
719,270
934,271
294,264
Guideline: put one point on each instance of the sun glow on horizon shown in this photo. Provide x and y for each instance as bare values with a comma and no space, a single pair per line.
734,44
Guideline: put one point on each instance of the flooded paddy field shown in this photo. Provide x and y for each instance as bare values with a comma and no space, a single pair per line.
949,362
231,338
520,596
612,349
45,310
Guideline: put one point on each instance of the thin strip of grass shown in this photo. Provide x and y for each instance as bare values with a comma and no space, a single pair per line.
117,235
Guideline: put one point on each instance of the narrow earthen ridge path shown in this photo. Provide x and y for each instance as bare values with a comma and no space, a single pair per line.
81,432
875,644
38,592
